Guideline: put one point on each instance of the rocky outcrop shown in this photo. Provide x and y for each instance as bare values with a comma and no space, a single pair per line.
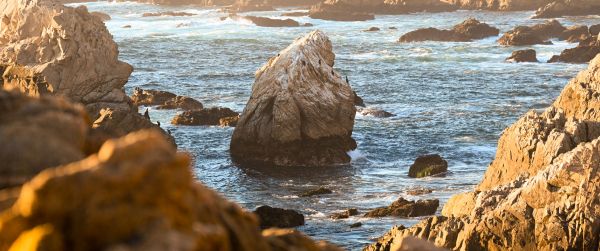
405,208
164,100
469,30
345,214
301,112
205,117
583,53
47,49
560,8
540,192
270,22
374,112
503,5
137,193
530,35
360,10
38,133
428,165
519,56
575,34
278,217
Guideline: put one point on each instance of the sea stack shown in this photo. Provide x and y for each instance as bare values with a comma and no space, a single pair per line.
301,111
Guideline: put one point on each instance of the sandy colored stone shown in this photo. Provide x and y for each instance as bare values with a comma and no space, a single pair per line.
466,31
301,111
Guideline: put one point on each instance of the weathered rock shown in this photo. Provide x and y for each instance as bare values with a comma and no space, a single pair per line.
358,10
428,165
270,22
167,13
530,35
405,208
374,112
528,55
594,29
278,217
151,97
181,102
358,101
229,121
468,30
419,191
583,53
575,34
301,112
203,117
38,133
560,8
103,16
502,5
318,191
137,193
345,215
371,29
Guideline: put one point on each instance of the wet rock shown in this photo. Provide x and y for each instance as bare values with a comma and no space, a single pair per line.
203,117
560,8
583,53
419,191
468,30
103,16
575,34
528,55
126,26
278,217
38,133
374,112
346,214
530,35
181,102
358,101
353,10
167,13
136,188
151,97
270,22
405,208
355,225
318,191
371,29
428,165
229,121
301,112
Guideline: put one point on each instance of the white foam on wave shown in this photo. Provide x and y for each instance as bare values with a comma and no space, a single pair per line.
356,155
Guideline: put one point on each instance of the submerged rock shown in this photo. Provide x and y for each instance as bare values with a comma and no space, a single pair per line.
528,55
278,217
405,208
428,165
355,225
374,112
583,53
530,35
466,31
318,191
136,188
301,112
560,8
345,215
204,117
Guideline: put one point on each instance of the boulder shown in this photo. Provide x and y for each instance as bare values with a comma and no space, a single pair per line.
575,34
278,217
300,113
137,193
270,22
357,10
528,55
372,29
181,102
356,224
318,191
530,35
594,29
405,208
583,53
38,133
345,215
167,13
470,29
229,121
203,117
560,8
428,165
151,97
374,112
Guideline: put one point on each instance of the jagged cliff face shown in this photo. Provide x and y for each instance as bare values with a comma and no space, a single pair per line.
540,193
301,111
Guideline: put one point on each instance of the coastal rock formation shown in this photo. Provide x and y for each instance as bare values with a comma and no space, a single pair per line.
540,192
428,165
405,208
229,121
270,22
47,49
530,35
137,193
528,55
374,112
468,30
301,112
560,8
278,217
360,10
503,5
583,53
575,34
164,100
103,16
594,29
204,117
345,215
46,132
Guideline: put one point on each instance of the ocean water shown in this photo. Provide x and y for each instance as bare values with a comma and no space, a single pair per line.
453,99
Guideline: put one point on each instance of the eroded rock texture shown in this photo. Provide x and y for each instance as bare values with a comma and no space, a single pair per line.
541,191
301,112
137,193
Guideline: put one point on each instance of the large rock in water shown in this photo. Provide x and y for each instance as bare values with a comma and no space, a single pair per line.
360,10
528,55
541,191
301,112
466,31
530,35
50,49
137,193
583,53
560,8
